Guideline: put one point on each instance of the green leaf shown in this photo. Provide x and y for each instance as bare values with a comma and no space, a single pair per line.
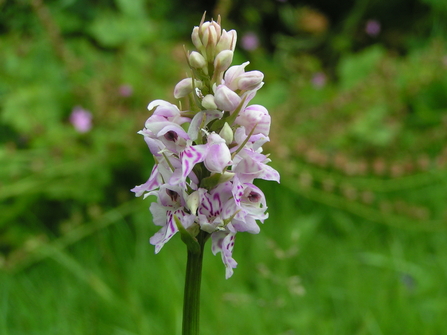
131,8
31,107
354,68
210,182
114,30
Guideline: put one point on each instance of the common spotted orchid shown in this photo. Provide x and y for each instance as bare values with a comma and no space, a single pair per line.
208,149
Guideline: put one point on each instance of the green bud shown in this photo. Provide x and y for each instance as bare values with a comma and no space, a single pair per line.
208,102
195,37
223,60
196,60
184,87
193,201
226,133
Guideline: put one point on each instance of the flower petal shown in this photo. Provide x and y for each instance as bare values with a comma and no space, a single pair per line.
191,156
152,183
223,242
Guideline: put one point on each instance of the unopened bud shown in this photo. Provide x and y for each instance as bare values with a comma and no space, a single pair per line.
232,75
209,38
184,87
196,60
195,37
226,133
226,99
223,60
250,80
227,41
208,102
218,29
193,201
203,28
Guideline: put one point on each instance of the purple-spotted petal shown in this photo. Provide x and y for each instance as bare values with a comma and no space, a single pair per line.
152,183
223,242
253,165
248,224
191,156
165,233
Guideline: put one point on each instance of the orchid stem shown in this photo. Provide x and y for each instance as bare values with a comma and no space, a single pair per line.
191,302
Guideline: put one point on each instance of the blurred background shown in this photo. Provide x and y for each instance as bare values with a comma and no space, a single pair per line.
356,242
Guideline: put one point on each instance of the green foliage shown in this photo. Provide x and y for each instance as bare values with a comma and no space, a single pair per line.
318,272
354,68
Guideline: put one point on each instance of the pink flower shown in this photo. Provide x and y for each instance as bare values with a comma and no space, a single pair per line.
226,99
223,242
125,90
170,203
232,75
165,126
207,157
250,165
319,80
372,28
255,116
219,156
250,41
81,119
215,155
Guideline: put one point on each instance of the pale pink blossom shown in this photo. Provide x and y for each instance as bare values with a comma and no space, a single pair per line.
250,41
255,119
226,99
125,90
372,28
81,119
207,158
319,80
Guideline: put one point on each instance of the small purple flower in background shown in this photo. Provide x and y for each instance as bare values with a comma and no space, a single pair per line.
125,90
81,119
372,28
319,80
250,41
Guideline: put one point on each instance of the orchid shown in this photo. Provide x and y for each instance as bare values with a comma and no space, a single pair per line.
188,152
208,154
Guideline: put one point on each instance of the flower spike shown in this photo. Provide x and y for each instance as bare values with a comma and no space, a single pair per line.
209,153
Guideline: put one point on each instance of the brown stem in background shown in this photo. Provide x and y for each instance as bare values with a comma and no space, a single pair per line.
222,8
55,36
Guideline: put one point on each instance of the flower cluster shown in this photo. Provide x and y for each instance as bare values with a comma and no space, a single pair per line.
208,156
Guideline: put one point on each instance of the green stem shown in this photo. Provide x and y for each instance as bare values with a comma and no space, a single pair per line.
191,302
